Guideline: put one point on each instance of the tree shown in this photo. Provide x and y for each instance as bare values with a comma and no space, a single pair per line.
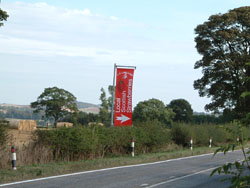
223,42
3,17
83,118
153,109
105,106
182,109
104,110
56,103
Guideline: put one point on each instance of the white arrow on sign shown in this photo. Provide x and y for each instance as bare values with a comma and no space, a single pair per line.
122,118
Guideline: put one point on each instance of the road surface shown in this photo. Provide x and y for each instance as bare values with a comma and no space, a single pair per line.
185,172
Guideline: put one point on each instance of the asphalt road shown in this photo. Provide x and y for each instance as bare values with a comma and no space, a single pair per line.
178,173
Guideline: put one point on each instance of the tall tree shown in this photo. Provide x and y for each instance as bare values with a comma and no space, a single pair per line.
182,109
56,103
104,110
224,43
3,17
153,109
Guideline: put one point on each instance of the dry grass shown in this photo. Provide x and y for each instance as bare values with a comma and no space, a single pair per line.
27,152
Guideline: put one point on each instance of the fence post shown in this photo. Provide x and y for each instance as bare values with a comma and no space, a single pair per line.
133,147
191,143
13,157
210,142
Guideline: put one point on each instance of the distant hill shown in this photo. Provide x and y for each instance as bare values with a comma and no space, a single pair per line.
86,105
26,112
14,105
80,105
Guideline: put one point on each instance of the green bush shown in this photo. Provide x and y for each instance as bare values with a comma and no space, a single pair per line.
3,132
68,143
151,135
95,141
181,134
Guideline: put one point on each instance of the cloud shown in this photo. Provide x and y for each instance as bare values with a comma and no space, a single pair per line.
46,30
78,12
114,18
75,49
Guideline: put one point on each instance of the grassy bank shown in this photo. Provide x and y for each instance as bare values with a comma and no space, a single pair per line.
56,168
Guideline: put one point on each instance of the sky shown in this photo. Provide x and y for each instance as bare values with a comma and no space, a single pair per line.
74,45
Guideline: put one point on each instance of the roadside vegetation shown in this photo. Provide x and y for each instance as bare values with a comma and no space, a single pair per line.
65,150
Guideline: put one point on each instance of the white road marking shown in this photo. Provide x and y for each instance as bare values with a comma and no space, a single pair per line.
168,181
143,185
182,177
106,169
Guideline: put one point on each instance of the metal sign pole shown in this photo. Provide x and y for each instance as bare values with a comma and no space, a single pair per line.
113,96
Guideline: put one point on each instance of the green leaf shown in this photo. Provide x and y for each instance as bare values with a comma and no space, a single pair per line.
233,147
237,165
245,94
218,170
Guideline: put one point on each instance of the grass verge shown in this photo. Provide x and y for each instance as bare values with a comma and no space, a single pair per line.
57,168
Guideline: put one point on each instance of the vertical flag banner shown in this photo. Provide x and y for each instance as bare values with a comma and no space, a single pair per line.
123,97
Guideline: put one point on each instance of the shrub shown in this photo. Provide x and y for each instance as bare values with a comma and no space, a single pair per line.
95,141
181,134
151,135
3,132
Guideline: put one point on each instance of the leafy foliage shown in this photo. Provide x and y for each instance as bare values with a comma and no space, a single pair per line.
182,109
3,132
56,103
223,42
153,109
106,103
206,118
83,118
228,116
181,134
238,169
95,141
3,17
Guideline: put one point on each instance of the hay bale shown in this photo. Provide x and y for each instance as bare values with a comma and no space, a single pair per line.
13,123
22,125
95,123
27,125
64,124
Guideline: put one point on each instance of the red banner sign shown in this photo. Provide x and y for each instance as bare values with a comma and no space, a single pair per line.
123,97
